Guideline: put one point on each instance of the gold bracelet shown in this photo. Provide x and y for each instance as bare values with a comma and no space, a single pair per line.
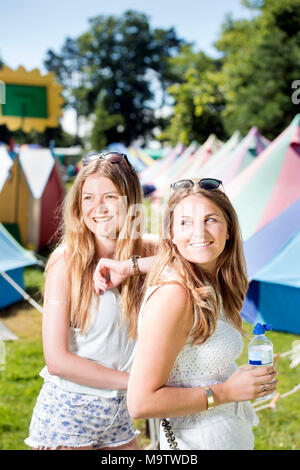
210,397
135,265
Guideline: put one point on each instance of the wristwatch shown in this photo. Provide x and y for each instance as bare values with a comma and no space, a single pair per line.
135,265
209,396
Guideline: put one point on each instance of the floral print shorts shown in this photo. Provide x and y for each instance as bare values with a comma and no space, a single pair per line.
67,419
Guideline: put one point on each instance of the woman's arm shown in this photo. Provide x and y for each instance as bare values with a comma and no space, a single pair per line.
111,273
167,320
56,320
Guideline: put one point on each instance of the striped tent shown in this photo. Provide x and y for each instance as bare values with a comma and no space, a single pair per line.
270,184
272,257
150,174
210,168
135,161
243,155
202,155
188,165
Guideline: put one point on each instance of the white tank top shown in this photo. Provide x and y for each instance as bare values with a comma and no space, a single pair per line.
207,364
105,342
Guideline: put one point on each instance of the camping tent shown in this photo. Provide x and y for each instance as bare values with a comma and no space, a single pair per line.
270,184
139,153
272,256
13,259
178,165
31,195
187,165
243,155
135,161
210,168
150,174
203,154
6,162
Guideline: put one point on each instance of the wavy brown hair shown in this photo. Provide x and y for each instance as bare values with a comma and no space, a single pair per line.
204,289
79,242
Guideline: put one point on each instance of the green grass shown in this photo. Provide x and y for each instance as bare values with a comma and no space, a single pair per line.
20,382
279,429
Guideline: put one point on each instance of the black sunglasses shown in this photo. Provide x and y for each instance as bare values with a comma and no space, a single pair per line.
204,183
111,157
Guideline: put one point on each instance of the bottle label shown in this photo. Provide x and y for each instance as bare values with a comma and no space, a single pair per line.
261,358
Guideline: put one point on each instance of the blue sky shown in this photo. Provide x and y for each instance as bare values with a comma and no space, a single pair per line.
29,27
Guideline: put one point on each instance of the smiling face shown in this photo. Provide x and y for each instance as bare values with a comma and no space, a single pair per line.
199,231
103,207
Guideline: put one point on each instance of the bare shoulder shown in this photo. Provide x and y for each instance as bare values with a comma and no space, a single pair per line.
173,289
57,279
171,302
58,260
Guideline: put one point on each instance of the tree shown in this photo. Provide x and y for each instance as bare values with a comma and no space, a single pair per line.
261,59
198,99
118,59
68,68
103,122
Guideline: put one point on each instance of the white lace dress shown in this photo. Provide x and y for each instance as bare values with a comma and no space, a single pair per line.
225,427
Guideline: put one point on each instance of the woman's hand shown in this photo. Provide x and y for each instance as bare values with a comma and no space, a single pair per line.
247,383
110,273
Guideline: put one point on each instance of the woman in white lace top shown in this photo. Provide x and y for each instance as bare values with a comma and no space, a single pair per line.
190,328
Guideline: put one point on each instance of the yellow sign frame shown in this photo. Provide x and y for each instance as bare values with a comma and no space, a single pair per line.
33,78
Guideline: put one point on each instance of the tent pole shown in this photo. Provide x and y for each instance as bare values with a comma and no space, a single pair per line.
21,291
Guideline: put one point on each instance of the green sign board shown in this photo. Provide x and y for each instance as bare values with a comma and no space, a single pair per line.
25,101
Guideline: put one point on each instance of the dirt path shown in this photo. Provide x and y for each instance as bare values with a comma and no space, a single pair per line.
24,322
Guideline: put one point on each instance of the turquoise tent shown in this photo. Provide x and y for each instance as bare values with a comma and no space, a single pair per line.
13,259
272,257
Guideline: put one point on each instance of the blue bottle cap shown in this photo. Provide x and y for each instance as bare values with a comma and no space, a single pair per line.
258,329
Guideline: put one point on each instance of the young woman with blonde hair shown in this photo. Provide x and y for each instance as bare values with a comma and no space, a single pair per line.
89,339
190,328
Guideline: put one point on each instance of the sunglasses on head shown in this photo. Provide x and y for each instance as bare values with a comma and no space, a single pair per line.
204,183
111,157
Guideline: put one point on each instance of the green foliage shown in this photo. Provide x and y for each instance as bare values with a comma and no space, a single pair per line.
197,96
60,137
5,134
115,62
261,59
102,124
251,83
68,69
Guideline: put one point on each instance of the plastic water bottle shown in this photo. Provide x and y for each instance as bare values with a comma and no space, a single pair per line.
260,350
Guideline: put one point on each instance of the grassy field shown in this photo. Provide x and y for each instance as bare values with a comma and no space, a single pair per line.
20,382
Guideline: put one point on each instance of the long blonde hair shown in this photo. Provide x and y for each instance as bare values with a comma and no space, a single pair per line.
205,290
79,242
